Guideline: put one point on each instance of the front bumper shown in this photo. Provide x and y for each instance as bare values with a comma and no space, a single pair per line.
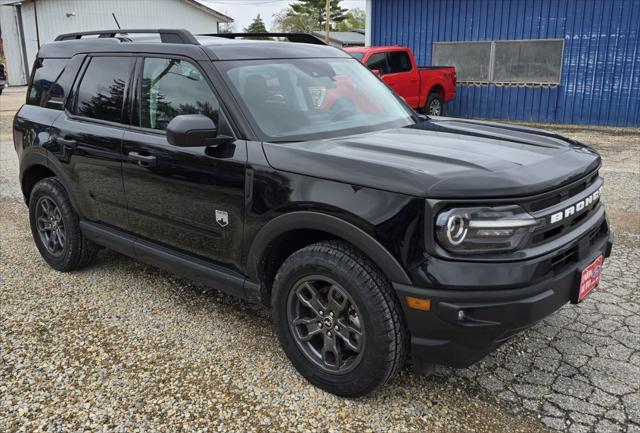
491,315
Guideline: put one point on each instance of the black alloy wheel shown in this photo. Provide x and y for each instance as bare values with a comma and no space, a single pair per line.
50,226
338,319
55,227
325,323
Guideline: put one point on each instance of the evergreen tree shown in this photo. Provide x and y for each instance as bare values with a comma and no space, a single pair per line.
257,26
317,10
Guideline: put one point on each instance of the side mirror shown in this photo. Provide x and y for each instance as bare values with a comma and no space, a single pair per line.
377,72
194,130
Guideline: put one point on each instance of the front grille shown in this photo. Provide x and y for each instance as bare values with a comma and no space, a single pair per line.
572,255
557,202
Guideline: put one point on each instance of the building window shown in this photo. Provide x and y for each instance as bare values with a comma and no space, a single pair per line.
471,59
537,62
523,62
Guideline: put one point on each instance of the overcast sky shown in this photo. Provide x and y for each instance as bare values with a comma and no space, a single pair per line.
243,11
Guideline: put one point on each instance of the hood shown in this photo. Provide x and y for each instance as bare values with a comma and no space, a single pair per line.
443,158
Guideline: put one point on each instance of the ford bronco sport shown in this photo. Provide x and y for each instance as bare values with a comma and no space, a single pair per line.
287,173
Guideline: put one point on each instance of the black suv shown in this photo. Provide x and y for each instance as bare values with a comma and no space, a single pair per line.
286,173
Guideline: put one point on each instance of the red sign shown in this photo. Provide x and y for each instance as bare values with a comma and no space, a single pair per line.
590,278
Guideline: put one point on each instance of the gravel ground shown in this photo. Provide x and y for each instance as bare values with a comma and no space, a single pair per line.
122,346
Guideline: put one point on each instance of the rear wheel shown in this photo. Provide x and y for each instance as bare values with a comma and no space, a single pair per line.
56,227
435,106
337,319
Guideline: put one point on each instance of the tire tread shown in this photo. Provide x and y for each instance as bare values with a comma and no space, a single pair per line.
383,304
81,250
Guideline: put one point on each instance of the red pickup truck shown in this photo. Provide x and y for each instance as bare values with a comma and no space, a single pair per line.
425,88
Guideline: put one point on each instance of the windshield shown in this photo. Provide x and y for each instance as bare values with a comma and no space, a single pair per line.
305,99
358,56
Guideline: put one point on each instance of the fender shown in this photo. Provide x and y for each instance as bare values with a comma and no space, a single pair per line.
330,224
42,157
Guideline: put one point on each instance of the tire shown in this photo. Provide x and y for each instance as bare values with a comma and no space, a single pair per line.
435,106
68,249
362,300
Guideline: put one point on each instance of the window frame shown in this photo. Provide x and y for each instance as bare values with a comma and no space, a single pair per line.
72,101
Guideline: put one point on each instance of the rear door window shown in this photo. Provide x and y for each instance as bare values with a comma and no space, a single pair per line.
399,62
378,61
171,87
101,93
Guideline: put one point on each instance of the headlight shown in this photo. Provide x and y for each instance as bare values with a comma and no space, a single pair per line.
484,229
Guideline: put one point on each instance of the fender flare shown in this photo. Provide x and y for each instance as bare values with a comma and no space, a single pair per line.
31,159
330,224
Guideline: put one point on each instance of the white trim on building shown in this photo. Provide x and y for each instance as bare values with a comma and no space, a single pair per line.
367,24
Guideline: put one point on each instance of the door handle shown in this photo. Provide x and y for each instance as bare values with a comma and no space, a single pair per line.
142,160
67,143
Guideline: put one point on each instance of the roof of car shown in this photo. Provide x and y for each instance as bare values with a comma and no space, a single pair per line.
374,48
198,47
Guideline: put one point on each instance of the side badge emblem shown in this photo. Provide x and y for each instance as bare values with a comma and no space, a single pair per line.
222,217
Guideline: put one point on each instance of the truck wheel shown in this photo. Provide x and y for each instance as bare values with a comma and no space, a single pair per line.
434,106
56,228
338,320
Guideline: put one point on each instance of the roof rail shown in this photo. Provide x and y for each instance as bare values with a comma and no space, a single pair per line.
167,36
300,38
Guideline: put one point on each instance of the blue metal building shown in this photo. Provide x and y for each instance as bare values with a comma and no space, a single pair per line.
598,55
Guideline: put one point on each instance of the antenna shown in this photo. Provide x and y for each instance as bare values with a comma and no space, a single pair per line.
115,19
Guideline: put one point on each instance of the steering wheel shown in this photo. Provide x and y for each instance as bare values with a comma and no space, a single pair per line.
342,108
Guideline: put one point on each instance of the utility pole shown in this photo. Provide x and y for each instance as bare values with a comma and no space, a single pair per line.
327,18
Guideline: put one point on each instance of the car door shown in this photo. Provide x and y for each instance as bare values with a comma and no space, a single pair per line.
88,138
187,198
403,77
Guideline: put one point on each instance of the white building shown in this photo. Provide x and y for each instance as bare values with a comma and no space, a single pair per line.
28,24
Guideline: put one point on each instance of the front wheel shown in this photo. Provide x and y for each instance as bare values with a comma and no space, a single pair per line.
435,106
338,320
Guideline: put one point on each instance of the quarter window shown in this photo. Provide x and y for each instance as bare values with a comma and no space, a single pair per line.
46,89
101,92
171,87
